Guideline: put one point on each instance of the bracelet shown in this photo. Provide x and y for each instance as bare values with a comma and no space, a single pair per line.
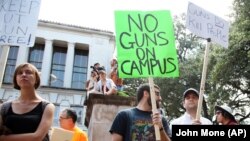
161,129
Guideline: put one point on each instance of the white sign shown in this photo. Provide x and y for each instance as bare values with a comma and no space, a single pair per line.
204,24
59,134
18,22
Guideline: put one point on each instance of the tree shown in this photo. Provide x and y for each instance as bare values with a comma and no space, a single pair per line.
232,71
190,50
131,85
228,74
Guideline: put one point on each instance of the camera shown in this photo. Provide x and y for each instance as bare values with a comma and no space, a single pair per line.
94,69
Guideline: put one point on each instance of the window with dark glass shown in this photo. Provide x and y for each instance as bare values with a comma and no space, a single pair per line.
58,65
36,55
79,75
10,64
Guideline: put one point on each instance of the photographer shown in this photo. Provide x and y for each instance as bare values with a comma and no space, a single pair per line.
91,82
95,68
93,76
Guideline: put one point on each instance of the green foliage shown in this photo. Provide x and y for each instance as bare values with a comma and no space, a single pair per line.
228,73
131,85
232,70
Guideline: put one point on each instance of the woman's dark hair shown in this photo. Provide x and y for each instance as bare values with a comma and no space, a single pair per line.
227,115
34,69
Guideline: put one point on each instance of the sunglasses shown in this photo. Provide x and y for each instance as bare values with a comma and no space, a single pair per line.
218,112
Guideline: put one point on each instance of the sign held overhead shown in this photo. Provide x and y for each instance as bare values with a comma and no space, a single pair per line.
18,22
146,44
204,24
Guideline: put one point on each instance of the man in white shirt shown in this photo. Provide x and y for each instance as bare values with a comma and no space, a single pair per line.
190,103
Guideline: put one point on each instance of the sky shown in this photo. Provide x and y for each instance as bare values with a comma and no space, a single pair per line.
99,14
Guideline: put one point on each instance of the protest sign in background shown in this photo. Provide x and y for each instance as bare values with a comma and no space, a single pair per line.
18,22
204,24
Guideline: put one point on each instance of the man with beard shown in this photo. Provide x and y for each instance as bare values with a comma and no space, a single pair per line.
138,122
190,103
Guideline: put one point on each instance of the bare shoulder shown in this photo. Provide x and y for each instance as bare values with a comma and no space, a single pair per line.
116,137
50,106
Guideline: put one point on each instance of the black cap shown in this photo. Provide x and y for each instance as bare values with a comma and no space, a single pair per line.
190,90
101,69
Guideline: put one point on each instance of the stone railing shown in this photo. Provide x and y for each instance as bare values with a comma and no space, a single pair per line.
100,113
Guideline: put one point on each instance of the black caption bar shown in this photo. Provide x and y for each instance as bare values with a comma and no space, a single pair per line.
216,132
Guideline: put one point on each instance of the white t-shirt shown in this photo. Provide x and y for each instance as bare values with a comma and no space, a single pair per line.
109,84
187,120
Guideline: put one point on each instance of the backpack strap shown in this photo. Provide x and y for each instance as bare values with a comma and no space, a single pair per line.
44,104
4,109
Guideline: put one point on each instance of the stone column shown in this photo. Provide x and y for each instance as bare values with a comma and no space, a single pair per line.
4,52
22,55
69,65
46,64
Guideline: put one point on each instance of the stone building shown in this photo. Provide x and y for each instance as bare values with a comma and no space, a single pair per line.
63,54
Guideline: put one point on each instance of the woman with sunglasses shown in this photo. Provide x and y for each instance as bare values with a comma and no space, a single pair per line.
224,115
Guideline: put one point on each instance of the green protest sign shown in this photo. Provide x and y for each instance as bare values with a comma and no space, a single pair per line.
145,44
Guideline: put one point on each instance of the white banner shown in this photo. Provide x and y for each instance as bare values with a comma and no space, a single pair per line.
204,24
18,22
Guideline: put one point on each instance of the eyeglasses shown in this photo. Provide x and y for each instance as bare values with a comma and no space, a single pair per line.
64,117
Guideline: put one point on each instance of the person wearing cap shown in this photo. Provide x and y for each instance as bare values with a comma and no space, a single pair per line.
105,85
224,115
190,103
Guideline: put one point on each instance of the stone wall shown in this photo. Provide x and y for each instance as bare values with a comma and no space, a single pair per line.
101,111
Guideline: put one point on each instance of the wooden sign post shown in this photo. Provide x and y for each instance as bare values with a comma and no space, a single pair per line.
148,57
154,108
203,79
210,27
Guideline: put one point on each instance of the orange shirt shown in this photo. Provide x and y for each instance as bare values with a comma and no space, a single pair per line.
79,135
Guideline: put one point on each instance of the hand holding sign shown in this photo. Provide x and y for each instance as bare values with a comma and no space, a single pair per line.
148,38
209,26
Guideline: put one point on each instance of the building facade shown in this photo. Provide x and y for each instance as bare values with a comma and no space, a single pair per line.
63,54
